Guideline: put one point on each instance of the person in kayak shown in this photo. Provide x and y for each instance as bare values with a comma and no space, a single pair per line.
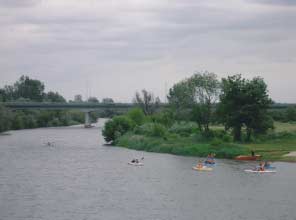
199,164
267,165
261,166
210,159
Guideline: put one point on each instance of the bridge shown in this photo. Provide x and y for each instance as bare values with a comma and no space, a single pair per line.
85,107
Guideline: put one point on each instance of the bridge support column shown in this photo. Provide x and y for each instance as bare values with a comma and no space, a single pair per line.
87,123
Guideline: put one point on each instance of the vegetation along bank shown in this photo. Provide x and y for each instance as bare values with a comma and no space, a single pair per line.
228,117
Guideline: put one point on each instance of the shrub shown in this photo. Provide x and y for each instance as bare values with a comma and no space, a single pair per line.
158,130
151,129
184,128
165,118
145,129
116,127
137,116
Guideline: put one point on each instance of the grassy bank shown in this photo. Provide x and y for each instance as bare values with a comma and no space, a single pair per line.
272,146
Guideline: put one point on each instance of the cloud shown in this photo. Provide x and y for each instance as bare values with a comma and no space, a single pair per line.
139,44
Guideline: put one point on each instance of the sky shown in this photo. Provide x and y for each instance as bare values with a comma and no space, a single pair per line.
109,48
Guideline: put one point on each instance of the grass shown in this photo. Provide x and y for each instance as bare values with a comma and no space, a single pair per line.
272,147
278,143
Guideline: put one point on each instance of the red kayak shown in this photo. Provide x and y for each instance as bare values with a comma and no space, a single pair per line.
245,157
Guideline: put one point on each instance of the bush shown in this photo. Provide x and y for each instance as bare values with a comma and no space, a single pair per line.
137,116
5,119
158,130
151,129
184,128
116,127
165,118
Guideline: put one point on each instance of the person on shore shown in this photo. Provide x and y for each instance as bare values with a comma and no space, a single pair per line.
253,153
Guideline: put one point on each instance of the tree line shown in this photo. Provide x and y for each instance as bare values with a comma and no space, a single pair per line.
240,105
26,89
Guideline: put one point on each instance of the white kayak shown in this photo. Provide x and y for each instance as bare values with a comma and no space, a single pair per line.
258,171
136,164
204,168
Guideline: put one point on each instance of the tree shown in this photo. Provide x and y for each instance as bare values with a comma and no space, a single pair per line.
291,114
29,89
93,99
107,101
116,127
199,92
244,103
5,119
136,115
54,97
78,98
147,102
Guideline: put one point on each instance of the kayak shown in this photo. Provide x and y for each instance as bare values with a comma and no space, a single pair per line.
136,164
257,171
203,168
209,163
245,157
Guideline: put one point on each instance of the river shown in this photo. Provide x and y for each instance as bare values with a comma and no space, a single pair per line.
80,178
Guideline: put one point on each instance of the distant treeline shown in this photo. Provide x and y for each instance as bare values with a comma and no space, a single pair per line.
32,90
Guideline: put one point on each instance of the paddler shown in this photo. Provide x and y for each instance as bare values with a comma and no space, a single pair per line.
210,159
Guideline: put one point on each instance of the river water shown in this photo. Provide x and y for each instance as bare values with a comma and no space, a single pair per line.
80,178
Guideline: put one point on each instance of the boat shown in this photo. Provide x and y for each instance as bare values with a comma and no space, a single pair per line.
246,157
136,164
260,171
204,168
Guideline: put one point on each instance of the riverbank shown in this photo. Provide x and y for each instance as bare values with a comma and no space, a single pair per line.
273,146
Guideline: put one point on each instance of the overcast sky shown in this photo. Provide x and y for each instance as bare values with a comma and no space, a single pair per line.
108,48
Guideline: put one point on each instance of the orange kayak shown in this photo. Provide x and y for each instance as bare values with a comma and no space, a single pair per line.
245,157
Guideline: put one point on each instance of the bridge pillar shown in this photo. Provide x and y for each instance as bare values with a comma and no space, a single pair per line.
87,123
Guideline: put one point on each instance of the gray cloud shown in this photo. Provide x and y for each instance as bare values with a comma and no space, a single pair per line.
122,47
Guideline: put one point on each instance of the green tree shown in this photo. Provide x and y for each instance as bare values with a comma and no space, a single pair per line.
244,103
78,98
107,101
136,115
29,89
199,92
93,99
291,114
54,97
116,127
147,102
5,119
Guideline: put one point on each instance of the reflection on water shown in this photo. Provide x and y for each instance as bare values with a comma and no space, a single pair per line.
80,178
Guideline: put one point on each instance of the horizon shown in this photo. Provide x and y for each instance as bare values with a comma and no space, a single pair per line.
113,49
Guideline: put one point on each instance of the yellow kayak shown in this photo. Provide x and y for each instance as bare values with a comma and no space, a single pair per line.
203,168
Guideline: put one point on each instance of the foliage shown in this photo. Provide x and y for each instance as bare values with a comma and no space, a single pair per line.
54,97
93,99
165,117
199,92
290,114
179,146
137,116
107,101
244,103
116,127
147,102
184,128
78,98
5,119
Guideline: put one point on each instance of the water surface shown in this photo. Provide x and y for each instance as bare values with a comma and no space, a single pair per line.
80,178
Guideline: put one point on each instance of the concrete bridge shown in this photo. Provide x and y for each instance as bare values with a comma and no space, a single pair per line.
85,107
